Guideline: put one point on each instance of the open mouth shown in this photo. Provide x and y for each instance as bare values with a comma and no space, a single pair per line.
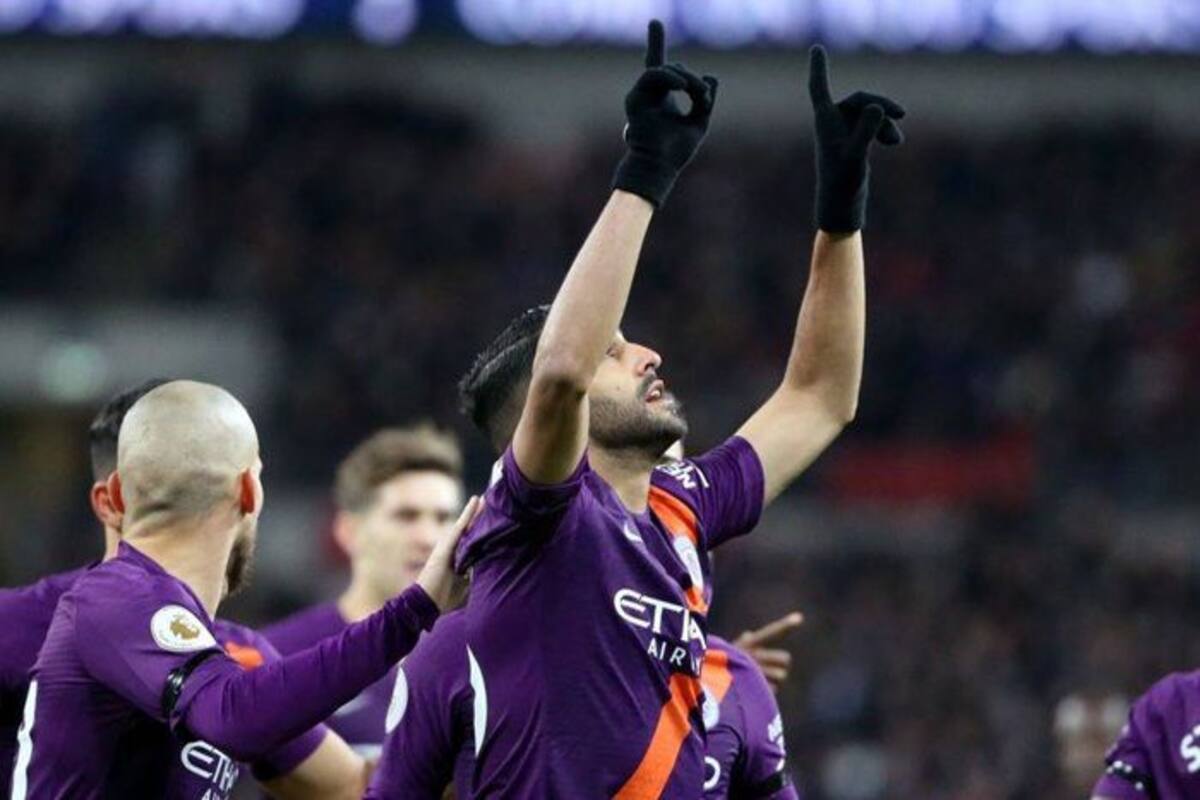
656,392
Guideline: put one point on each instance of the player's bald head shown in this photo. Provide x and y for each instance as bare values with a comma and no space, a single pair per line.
182,450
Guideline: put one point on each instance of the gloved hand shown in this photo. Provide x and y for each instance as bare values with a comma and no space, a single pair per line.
661,138
844,132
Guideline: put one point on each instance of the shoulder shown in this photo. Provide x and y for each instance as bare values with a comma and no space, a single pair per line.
37,600
1171,698
27,612
121,599
304,628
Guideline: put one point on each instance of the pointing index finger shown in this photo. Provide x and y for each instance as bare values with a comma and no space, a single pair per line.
818,76
656,44
773,630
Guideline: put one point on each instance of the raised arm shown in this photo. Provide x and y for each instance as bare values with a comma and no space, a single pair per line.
819,392
552,433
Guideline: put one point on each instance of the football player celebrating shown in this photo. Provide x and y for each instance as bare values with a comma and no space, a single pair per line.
314,765
130,665
590,579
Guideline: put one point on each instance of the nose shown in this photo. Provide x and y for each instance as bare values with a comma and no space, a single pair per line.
645,359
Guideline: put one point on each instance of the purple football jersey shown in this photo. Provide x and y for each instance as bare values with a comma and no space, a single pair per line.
586,624
359,722
93,722
430,741
745,755
1158,753
26,612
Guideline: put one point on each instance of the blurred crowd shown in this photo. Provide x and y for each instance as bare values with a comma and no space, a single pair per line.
1038,287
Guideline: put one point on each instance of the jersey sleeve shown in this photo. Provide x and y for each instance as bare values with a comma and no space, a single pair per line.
761,772
425,737
132,635
1126,768
518,512
254,650
723,487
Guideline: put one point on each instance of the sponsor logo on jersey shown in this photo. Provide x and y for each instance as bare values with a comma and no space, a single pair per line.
207,762
677,638
178,630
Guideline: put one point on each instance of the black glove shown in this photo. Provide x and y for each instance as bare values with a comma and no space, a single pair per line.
662,139
844,132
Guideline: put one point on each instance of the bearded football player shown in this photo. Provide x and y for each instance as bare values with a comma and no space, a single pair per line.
586,627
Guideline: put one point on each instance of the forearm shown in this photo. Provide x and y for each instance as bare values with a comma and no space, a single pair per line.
587,311
826,360
249,713
332,772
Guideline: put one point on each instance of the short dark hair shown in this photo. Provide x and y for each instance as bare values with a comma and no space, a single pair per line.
391,452
493,390
106,426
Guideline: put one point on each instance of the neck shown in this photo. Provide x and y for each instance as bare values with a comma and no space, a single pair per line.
627,472
112,538
186,552
359,601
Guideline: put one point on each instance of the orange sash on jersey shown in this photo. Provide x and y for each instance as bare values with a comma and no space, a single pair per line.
674,725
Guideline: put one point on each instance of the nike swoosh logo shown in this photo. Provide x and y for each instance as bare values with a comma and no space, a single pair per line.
631,534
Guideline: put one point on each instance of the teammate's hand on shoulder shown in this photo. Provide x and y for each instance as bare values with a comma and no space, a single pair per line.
775,663
439,580
844,132
661,138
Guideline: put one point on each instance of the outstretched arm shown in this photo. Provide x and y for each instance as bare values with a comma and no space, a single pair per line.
819,392
247,714
552,433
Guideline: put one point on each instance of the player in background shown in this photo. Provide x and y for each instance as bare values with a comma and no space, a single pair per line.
312,766
744,754
397,494
130,666
590,581
1157,755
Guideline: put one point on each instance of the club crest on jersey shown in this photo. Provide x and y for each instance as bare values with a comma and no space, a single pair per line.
178,630
687,553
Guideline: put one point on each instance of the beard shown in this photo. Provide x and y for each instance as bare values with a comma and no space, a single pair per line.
240,568
634,425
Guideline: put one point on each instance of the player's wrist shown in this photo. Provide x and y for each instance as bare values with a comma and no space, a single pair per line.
421,605
645,176
841,201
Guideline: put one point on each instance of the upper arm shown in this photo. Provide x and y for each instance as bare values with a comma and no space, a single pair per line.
551,435
131,641
788,432
332,772
723,487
